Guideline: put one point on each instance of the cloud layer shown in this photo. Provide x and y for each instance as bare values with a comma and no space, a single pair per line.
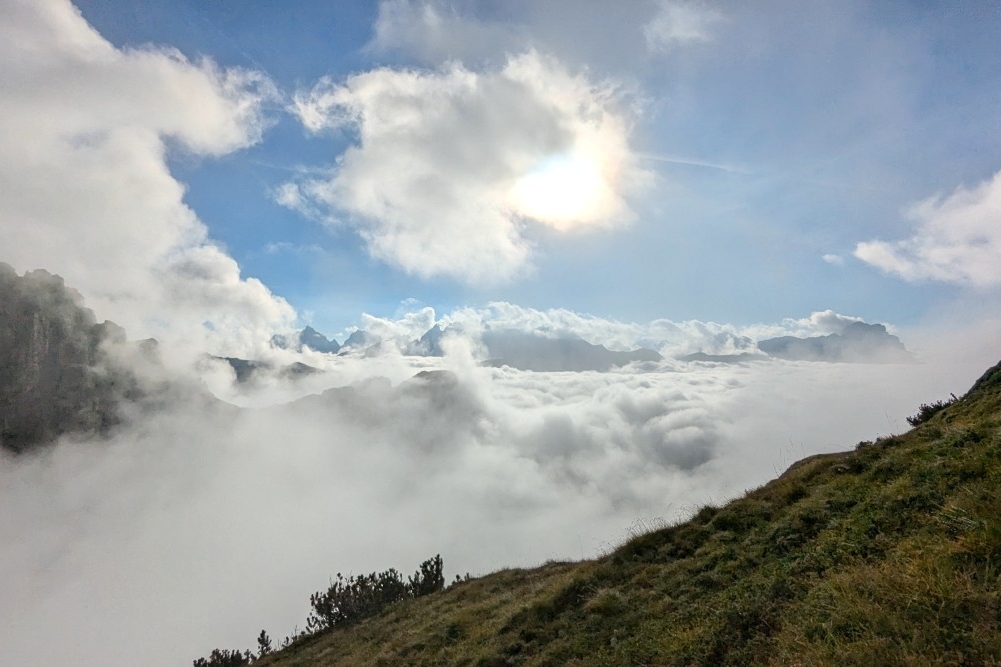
87,131
452,166
196,527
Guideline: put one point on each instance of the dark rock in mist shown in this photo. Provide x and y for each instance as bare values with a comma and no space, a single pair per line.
360,340
857,343
248,370
429,412
307,338
530,352
56,371
723,358
429,345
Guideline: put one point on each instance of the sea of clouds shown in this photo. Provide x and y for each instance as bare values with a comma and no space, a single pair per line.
198,524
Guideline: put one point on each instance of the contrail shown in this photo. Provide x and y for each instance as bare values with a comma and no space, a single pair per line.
674,159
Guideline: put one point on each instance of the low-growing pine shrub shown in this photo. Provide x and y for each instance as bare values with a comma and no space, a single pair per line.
224,658
351,599
928,410
428,579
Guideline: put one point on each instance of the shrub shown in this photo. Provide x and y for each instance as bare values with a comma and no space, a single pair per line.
349,600
263,644
346,601
428,579
928,410
224,658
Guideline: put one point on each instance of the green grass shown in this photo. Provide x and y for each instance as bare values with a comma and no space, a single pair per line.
889,554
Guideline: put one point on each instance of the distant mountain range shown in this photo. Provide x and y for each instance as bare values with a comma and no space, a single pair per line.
247,371
505,347
57,374
307,338
531,352
858,342
724,358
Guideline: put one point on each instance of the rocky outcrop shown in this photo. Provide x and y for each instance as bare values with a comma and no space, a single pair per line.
531,352
858,342
56,375
249,371
307,338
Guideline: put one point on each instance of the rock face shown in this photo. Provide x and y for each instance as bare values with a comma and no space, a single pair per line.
429,345
724,358
248,370
359,340
858,342
308,337
55,373
536,353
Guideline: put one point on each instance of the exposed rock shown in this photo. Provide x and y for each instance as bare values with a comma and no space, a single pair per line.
56,373
531,352
429,345
724,358
361,341
858,342
307,338
248,370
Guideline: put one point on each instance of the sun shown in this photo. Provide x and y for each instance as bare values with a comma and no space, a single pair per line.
562,191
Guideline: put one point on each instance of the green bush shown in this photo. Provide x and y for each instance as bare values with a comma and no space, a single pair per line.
346,601
349,600
928,410
224,658
263,644
428,579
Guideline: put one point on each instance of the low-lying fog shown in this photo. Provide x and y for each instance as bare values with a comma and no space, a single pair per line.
197,527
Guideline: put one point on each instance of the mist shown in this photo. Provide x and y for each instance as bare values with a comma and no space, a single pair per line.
195,526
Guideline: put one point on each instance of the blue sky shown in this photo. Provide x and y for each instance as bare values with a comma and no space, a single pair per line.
748,145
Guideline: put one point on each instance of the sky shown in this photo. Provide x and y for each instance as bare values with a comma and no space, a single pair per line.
684,176
680,160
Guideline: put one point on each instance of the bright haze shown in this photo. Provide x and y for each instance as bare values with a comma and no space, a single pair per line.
689,178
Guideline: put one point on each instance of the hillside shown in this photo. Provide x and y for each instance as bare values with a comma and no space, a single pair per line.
889,554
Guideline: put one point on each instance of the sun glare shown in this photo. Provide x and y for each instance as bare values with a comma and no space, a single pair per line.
561,192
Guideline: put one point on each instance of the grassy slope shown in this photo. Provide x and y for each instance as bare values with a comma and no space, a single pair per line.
886,555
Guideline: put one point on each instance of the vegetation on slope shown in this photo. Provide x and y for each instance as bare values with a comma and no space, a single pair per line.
886,555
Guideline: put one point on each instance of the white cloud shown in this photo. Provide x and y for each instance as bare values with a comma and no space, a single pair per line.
85,130
957,240
435,32
834,260
680,22
452,166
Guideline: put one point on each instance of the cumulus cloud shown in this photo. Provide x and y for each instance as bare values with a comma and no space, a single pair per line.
451,167
957,239
680,22
86,131
435,32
